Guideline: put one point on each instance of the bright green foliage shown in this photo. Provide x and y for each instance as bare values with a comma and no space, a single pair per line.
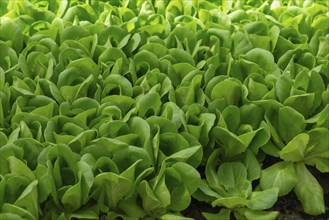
111,109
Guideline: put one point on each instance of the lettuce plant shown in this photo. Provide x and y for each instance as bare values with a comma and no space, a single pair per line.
230,186
128,109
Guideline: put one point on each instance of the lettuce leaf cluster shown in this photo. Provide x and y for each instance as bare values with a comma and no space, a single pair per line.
113,109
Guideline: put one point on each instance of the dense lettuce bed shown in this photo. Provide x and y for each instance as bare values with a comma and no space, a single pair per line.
131,108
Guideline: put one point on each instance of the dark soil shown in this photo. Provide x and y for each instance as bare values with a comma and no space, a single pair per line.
196,208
